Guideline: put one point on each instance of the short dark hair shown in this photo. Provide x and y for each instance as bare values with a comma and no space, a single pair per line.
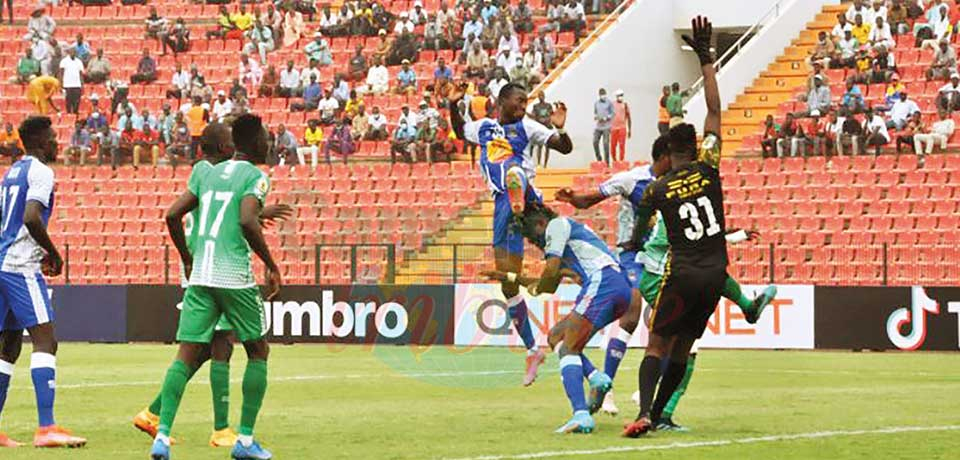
246,129
532,213
510,88
31,132
683,140
661,147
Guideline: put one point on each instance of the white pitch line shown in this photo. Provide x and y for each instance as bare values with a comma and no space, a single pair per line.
716,443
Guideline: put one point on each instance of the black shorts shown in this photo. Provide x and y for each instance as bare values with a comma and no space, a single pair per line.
686,301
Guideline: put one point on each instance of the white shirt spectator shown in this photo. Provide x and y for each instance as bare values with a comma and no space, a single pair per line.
328,106
307,73
949,88
222,109
865,12
533,60
508,62
838,30
331,21
411,118
72,69
941,29
417,18
402,26
495,85
902,110
877,124
847,47
290,79
378,79
882,36
376,121
510,44
574,12
943,127
881,13
181,80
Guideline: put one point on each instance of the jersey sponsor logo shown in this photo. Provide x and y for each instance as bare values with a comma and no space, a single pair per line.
14,172
331,318
499,149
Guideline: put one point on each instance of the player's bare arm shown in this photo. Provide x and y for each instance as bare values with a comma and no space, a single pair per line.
549,279
275,212
33,221
250,224
579,200
641,228
561,140
456,118
700,42
185,203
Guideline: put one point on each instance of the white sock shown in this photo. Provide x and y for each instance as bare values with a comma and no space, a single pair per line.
532,351
163,438
245,440
624,336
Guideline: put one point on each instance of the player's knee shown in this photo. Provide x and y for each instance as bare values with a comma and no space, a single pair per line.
257,349
43,339
221,349
509,289
10,346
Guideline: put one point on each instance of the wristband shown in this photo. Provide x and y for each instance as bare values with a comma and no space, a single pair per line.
512,277
561,131
738,236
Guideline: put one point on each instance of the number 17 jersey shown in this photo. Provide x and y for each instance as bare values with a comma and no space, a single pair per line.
690,200
221,255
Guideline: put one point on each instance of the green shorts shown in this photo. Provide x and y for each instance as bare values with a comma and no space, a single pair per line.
650,286
204,308
223,325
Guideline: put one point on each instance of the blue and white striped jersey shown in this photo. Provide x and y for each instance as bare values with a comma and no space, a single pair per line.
27,180
503,143
578,247
629,185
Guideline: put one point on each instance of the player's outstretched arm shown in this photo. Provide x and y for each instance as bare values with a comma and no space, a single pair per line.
456,118
38,231
275,212
186,203
641,227
700,42
549,279
250,224
579,200
560,141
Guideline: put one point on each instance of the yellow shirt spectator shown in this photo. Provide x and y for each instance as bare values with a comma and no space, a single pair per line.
40,91
245,21
861,33
313,136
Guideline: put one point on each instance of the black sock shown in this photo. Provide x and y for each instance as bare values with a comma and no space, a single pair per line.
668,385
649,375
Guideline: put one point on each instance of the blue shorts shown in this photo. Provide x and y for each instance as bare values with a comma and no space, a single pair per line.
633,270
504,235
24,300
604,298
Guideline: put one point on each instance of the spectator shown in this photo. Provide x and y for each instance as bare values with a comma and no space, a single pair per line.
117,90
791,133
261,40
306,74
352,105
237,90
341,89
858,8
222,107
177,38
675,102
96,119
147,140
431,35
914,126
109,146
181,141
40,26
425,141
40,92
404,25
328,107
817,72
270,83
129,117
360,126
357,66
940,133
852,98
319,50
897,18
285,145
146,69
541,112
416,14
179,83
522,17
43,53
880,34
819,97
771,134
249,71
330,23
405,47
56,54
81,49
378,79
508,42
293,27
841,27
71,77
98,69
155,25
603,113
428,113
197,118
894,88
944,62
168,121
9,11
377,126
574,18
941,29
403,138
846,55
408,116
477,61
507,60
383,46
27,67
312,139
820,133
10,144
948,98
442,79
243,19
901,111
877,75
128,140
290,81
498,81
861,29
149,121
340,141
225,26
621,127
311,97
823,50
875,131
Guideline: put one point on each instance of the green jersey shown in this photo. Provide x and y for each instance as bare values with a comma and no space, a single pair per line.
200,169
221,255
656,249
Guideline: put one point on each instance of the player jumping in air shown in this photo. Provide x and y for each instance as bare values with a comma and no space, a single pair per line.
648,265
690,200
216,144
26,255
508,170
605,295
230,197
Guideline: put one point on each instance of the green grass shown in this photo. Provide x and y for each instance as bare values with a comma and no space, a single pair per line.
328,402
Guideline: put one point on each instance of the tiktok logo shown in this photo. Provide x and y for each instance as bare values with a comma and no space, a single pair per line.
916,316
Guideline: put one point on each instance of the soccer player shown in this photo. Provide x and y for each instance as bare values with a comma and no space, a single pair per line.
26,255
605,295
507,167
690,199
648,264
216,143
230,197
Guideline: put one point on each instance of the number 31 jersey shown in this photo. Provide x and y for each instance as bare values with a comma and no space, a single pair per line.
690,200
221,255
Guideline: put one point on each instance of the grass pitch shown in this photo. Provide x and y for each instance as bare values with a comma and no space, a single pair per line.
332,402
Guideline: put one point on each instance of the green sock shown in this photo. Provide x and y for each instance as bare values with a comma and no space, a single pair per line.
732,291
681,389
254,388
173,385
156,406
220,388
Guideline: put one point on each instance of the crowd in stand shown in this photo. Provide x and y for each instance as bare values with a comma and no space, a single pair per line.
482,35
838,118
